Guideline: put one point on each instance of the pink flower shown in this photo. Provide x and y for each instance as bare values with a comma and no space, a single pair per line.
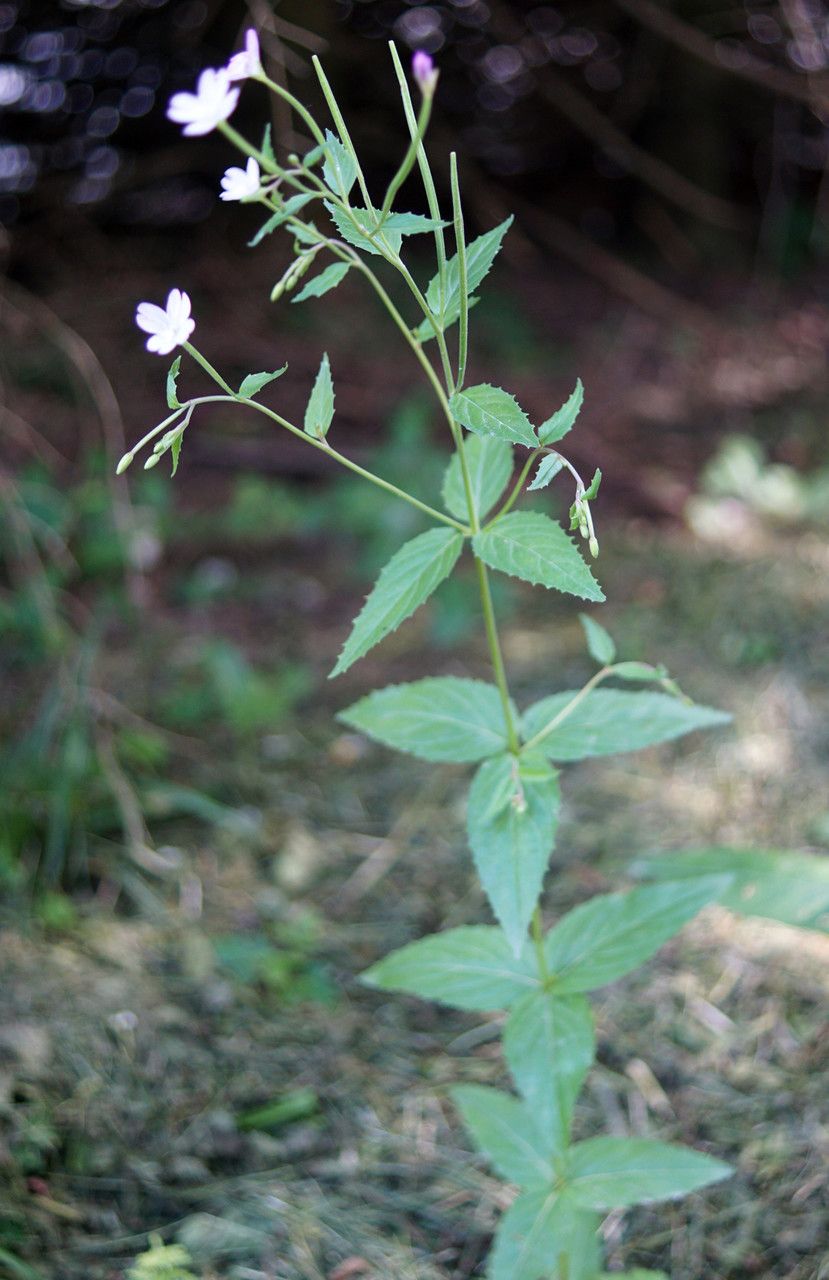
169,326
213,102
423,70
248,63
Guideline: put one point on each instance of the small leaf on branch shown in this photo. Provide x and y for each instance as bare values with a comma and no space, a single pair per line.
548,469
407,580
549,1045
441,718
640,671
172,380
426,329
607,721
491,411
324,282
600,643
291,206
489,462
254,382
267,145
411,224
319,412
470,968
613,933
557,426
505,1131
543,1232
592,489
480,255
528,545
610,1173
340,169
175,450
366,224
511,823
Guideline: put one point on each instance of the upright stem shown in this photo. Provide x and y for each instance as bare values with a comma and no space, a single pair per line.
460,241
538,944
495,654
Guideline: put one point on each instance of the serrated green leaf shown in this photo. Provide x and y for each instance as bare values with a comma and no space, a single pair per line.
609,1173
491,411
469,968
404,584
607,721
549,1045
307,233
613,933
175,450
592,490
254,382
292,206
506,1133
340,169
480,255
412,224
489,462
548,469
544,1233
365,220
531,546
172,380
324,282
426,329
441,718
600,643
319,412
511,822
779,885
557,426
313,156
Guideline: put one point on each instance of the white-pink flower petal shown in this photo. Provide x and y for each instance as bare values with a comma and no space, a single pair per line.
248,63
241,184
214,101
169,326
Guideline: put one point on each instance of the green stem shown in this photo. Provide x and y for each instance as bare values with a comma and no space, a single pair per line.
303,112
247,148
460,241
409,158
208,368
342,128
568,709
496,655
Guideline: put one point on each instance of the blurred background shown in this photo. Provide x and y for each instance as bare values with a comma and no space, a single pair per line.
195,862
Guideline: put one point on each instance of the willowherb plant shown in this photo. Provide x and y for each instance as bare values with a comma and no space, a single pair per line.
542,978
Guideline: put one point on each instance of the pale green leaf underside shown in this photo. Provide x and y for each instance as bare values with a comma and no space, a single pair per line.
489,462
529,545
538,1232
610,935
549,1045
404,583
480,255
510,844
328,279
411,224
383,240
562,420
505,1132
607,721
790,887
549,467
340,169
600,644
469,968
609,1173
491,411
441,718
319,412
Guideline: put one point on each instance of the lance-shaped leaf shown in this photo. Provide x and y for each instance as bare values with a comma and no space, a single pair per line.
505,1132
562,420
480,255
471,968
365,224
609,720
292,205
441,718
426,329
172,380
511,821
544,1234
254,382
327,280
600,643
609,1173
404,583
605,938
319,412
529,545
549,1045
548,469
489,463
491,411
411,224
340,169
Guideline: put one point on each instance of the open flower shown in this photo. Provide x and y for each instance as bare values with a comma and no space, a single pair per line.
248,63
240,184
214,100
168,326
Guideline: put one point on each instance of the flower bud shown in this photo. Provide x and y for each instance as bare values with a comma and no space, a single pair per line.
152,461
125,462
424,72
